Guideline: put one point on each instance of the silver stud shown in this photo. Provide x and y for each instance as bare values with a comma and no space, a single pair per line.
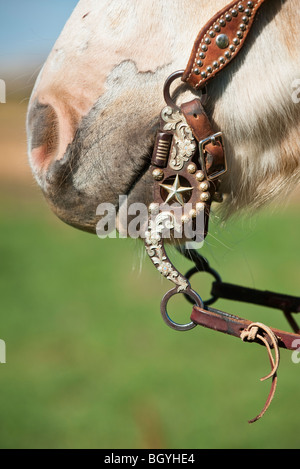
185,219
234,12
232,48
217,28
158,174
200,176
222,41
193,213
245,19
222,22
204,47
192,168
241,8
215,64
207,40
209,69
200,207
250,4
242,27
222,60
212,33
240,35
199,63
196,71
204,186
236,41
205,196
227,54
203,74
248,12
228,17
154,208
202,55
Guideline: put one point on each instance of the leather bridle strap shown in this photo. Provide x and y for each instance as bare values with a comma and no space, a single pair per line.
189,158
219,42
233,325
216,45
286,303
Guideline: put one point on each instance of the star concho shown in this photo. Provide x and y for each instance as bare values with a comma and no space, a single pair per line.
175,191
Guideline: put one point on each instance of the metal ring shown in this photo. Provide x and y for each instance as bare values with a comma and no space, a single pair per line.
211,271
163,308
168,84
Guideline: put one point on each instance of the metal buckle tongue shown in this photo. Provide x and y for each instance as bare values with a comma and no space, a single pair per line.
213,167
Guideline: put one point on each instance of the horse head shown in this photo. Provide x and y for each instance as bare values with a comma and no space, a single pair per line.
95,107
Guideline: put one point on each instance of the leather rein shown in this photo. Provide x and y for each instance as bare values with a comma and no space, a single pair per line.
187,163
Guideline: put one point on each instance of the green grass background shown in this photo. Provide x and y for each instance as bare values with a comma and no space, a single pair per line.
90,363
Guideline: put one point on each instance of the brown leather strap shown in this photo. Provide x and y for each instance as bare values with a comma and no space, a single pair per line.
197,119
286,303
219,41
269,398
261,331
233,325
214,156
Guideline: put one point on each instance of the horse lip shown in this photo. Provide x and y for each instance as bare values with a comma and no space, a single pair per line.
72,205
61,172
82,178
132,186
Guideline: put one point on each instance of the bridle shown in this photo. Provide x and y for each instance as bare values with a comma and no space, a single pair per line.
187,163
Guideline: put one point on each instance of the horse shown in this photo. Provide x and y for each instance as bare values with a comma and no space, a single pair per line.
94,109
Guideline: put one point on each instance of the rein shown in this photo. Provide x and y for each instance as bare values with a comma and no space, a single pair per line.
187,165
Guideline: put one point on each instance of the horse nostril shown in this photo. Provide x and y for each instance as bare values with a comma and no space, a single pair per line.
43,131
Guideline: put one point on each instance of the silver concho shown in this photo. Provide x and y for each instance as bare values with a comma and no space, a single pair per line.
184,145
155,249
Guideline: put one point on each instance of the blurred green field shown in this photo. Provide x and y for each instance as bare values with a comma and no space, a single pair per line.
90,364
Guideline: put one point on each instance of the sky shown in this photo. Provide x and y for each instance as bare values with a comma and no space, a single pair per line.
28,31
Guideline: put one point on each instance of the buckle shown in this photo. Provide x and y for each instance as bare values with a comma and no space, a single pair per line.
214,165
